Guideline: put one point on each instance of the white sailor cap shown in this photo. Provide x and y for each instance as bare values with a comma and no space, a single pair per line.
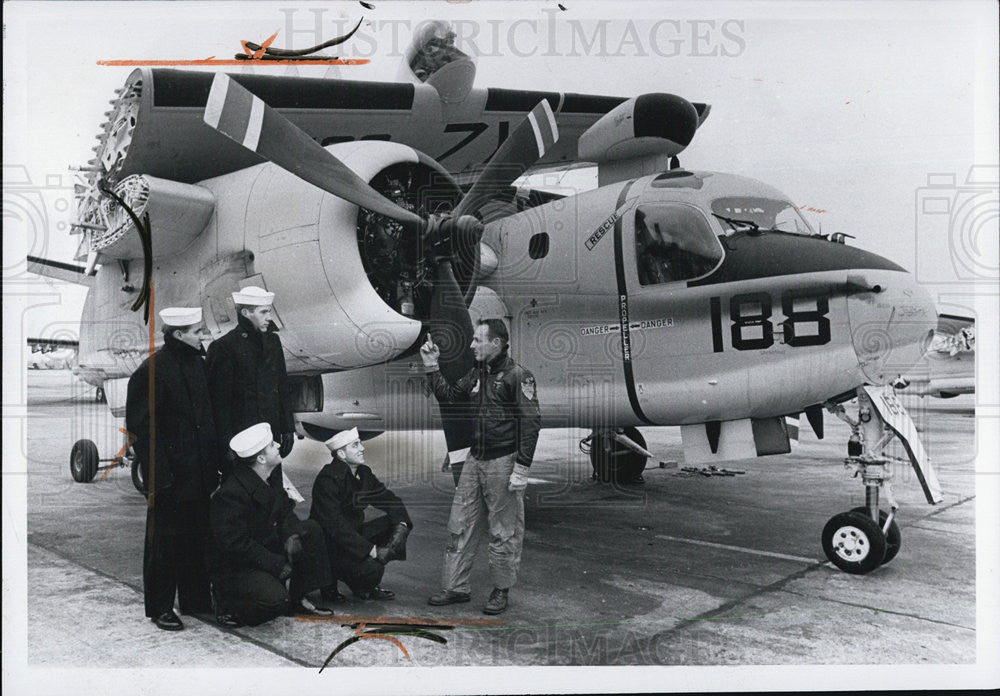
251,441
252,295
180,316
342,439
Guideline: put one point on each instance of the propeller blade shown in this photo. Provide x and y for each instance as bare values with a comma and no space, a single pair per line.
243,117
450,324
532,137
451,328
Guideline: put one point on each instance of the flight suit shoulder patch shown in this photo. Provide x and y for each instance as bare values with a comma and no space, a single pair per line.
528,385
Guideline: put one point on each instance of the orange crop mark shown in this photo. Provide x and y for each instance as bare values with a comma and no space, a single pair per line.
129,439
811,209
360,633
397,621
255,55
150,485
153,63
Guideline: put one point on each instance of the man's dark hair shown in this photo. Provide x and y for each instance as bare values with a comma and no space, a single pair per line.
241,307
496,328
168,330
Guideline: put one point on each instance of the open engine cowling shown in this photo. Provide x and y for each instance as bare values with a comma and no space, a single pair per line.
352,288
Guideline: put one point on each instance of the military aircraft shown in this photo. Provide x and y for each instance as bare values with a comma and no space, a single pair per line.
379,212
948,368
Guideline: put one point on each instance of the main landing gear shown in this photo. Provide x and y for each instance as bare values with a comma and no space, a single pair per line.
617,455
84,463
863,538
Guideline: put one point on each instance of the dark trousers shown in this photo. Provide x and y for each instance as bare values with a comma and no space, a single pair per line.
256,596
362,576
174,555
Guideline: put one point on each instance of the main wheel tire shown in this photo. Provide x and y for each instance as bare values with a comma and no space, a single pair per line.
83,461
138,479
620,464
854,543
893,539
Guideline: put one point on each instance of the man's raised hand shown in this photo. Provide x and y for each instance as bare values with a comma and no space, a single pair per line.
429,352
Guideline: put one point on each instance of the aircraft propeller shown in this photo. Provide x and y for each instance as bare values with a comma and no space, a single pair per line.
244,118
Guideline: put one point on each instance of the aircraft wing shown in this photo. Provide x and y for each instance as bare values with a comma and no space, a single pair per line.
157,126
68,272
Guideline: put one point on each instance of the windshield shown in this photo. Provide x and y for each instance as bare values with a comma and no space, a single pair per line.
740,213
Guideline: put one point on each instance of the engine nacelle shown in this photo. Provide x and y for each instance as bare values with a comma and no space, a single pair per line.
639,135
312,250
177,213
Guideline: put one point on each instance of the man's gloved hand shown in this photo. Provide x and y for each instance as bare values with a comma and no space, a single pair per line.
285,573
383,555
430,354
286,443
518,478
397,543
293,546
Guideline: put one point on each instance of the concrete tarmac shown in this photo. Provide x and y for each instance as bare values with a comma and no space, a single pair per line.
684,570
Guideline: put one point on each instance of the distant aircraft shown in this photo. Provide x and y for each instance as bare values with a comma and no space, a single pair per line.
948,368
379,212
51,354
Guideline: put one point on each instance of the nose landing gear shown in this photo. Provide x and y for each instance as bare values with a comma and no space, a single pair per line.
863,538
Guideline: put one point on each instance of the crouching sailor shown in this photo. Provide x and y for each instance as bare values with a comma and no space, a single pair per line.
265,559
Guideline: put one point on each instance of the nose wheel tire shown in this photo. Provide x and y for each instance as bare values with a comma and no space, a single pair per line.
854,543
893,539
83,461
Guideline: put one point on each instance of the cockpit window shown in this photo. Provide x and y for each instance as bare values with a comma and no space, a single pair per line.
740,213
673,242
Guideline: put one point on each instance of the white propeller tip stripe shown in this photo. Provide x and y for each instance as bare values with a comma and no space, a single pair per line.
538,134
552,120
216,100
252,136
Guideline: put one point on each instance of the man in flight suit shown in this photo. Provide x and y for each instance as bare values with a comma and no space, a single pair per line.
168,412
259,544
246,372
342,491
495,473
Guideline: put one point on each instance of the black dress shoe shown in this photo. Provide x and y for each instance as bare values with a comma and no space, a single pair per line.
168,621
448,597
332,595
227,620
376,593
304,606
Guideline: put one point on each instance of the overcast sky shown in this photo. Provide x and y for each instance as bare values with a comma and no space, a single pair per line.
847,107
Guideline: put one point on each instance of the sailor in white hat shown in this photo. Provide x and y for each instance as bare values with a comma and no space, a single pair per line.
177,448
246,371
341,492
259,542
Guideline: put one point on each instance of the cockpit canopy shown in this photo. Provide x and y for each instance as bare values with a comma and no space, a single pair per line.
674,241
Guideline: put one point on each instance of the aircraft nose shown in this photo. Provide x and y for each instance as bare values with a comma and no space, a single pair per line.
890,328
